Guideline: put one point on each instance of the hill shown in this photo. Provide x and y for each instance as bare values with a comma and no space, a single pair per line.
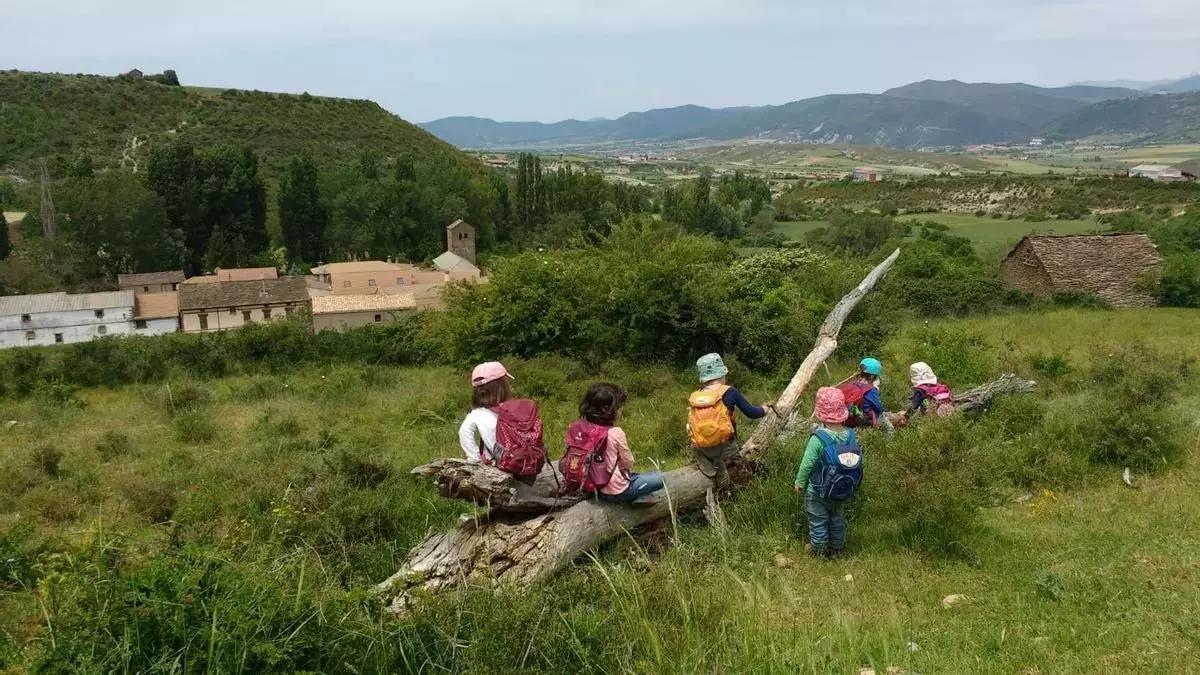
1190,83
1165,118
50,114
1024,105
921,114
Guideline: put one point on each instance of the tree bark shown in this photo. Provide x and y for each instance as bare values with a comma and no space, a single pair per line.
503,548
980,398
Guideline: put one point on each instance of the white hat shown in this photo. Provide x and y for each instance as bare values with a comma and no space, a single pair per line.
920,373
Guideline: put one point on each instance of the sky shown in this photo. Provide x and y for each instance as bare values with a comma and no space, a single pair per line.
548,60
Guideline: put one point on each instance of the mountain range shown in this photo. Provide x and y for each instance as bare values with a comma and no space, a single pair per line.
1177,86
930,113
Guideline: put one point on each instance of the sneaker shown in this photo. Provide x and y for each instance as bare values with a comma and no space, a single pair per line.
646,500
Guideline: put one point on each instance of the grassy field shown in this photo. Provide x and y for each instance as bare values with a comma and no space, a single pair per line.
233,524
992,237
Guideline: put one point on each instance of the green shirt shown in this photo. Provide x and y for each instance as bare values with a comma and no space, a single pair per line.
812,454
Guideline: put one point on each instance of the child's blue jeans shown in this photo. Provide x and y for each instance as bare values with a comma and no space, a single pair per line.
826,523
640,485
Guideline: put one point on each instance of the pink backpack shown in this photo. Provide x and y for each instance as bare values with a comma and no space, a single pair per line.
941,401
519,438
583,466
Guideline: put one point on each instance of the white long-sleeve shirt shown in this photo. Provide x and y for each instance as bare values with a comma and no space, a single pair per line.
480,425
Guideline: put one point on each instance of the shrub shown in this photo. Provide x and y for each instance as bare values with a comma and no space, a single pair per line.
1178,283
926,485
1079,300
194,427
179,397
113,444
151,499
959,357
57,394
48,459
1050,365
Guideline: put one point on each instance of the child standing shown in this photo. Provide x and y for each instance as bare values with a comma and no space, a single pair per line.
712,426
477,434
829,472
601,406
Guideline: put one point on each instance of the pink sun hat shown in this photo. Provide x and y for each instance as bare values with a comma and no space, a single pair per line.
831,405
488,372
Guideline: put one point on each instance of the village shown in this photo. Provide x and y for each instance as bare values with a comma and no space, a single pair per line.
334,296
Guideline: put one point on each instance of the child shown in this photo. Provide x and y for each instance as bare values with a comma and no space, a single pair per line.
862,396
477,434
711,423
602,406
929,395
827,488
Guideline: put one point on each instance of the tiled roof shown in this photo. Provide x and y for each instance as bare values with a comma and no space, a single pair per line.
62,302
236,274
219,294
150,278
360,266
156,305
340,304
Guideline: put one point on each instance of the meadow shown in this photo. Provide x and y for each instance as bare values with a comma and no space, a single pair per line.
235,523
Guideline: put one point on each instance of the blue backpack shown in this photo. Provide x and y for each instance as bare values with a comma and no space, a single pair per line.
839,468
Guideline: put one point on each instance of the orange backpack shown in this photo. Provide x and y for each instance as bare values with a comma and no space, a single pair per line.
709,421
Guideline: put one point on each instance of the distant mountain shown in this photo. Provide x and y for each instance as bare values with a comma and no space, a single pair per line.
1190,83
929,113
1170,85
1164,118
42,115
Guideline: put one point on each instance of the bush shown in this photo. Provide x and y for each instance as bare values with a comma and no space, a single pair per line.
960,358
113,444
48,459
1178,283
926,486
194,427
939,274
1079,300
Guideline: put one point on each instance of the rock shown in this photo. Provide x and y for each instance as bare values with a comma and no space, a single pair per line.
849,577
952,600
913,647
782,561
1024,498
1127,477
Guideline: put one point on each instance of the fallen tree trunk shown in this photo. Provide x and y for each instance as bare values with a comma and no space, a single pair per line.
491,487
502,548
980,398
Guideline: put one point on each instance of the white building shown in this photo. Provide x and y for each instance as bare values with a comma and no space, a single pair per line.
156,313
59,318
1159,172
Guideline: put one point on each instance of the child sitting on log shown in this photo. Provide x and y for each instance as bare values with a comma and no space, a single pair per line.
502,431
929,396
601,406
712,426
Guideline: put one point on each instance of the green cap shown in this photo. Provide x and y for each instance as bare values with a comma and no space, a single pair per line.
711,367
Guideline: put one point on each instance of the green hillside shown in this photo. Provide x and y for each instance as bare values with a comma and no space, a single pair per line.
1166,118
43,115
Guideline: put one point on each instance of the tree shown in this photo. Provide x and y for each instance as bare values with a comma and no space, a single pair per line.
119,225
303,215
5,242
172,174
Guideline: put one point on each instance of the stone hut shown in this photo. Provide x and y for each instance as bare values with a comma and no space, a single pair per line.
460,240
1107,265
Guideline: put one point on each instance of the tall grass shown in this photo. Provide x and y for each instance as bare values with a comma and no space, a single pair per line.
144,549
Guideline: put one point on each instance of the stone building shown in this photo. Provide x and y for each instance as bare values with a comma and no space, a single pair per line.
62,318
460,240
151,282
1108,265
222,305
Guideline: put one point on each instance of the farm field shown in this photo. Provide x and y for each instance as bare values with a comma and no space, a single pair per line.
992,237
235,523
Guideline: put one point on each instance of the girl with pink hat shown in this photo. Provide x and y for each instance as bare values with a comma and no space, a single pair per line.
477,434
828,473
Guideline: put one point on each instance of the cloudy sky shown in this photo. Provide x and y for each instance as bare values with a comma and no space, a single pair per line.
553,59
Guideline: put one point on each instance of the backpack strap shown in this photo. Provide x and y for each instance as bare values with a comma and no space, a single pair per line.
852,439
826,437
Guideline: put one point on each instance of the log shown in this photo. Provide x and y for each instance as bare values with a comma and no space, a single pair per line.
504,548
490,487
980,398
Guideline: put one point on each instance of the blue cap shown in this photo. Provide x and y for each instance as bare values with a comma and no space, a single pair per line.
871,366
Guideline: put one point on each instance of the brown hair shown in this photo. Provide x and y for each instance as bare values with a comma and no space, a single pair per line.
601,403
491,394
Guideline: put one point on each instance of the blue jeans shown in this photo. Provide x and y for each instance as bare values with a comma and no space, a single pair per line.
826,523
640,485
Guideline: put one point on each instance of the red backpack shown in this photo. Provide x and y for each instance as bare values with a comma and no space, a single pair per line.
855,391
941,401
519,438
583,466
